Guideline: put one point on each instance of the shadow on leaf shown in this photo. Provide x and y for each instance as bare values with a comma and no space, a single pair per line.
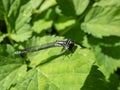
96,81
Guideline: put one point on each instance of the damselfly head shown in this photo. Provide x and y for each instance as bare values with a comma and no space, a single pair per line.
70,45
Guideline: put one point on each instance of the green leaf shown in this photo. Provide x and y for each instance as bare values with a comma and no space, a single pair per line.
52,69
12,75
73,7
102,21
105,3
4,6
44,22
106,51
59,72
22,34
22,27
11,71
80,6
46,5
96,81
107,59
64,24
13,10
111,41
35,80
69,72
17,16
2,36
2,9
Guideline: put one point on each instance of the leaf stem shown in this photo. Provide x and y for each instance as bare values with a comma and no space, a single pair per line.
8,26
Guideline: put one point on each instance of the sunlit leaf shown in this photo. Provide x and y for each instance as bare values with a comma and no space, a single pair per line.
59,72
107,3
102,21
47,4
11,72
107,61
44,21
64,24
12,75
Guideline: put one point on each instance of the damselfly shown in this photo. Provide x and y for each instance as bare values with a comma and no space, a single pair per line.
66,44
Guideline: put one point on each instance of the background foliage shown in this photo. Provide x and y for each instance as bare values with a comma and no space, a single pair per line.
94,26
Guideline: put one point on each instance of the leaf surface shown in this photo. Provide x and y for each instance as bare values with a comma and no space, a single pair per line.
73,7
102,21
